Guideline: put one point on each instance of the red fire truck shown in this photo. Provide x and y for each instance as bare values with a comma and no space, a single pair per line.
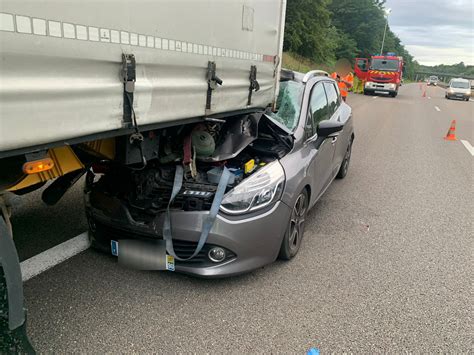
382,74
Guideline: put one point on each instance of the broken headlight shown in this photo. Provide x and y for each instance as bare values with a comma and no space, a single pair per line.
257,191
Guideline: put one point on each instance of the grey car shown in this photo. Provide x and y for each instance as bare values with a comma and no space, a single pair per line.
278,164
458,89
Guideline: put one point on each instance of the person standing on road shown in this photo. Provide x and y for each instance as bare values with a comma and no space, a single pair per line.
344,77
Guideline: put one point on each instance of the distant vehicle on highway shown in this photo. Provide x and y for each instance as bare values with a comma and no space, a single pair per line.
459,89
433,80
382,74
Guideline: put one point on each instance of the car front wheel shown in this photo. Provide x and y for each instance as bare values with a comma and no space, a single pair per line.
294,233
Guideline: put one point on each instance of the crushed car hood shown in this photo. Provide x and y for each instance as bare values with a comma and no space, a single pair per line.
240,134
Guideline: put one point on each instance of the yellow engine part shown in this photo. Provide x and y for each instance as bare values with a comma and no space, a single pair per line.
64,160
249,166
103,148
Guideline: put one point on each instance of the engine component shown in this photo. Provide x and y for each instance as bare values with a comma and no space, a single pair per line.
214,176
128,151
234,139
249,166
203,143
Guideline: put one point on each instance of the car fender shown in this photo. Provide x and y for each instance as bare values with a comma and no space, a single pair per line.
296,176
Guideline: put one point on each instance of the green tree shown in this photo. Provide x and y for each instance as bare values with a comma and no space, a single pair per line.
308,30
325,30
361,20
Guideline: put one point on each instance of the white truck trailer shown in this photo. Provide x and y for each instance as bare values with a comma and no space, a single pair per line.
82,81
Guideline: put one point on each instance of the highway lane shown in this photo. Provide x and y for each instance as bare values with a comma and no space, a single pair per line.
461,111
38,228
385,265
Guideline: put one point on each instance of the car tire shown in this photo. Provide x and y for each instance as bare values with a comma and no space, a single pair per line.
294,233
345,162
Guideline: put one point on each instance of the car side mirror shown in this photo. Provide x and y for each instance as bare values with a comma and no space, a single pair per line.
328,127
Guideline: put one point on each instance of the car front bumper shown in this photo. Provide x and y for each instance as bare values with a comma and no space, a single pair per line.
251,242
388,88
458,96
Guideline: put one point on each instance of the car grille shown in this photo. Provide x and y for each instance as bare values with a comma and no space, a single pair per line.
182,248
157,199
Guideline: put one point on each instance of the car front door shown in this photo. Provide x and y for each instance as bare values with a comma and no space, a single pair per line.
336,113
323,148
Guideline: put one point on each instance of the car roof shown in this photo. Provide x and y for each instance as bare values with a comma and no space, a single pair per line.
287,75
291,75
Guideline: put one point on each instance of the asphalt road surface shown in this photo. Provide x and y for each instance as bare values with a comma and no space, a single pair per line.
385,266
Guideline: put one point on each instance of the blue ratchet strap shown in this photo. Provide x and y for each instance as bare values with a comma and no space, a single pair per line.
208,223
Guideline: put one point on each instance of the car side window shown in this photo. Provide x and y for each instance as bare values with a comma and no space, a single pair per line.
318,108
333,98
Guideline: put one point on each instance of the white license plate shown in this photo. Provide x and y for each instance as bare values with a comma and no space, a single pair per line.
169,263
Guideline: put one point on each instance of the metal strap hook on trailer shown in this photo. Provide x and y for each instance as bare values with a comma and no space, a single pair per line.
209,221
212,81
129,116
254,85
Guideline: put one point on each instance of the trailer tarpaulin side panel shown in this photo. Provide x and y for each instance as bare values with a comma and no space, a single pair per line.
61,63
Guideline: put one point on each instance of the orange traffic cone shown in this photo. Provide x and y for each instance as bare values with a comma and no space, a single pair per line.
451,135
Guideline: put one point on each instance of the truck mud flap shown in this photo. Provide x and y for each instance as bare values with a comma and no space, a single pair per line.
13,338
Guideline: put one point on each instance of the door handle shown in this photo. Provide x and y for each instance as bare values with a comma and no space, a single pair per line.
334,139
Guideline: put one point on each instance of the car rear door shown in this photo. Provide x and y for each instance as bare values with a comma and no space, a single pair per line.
337,113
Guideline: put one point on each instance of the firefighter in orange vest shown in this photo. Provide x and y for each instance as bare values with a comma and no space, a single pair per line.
344,77
344,83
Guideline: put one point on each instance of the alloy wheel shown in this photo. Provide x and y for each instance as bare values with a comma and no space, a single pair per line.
297,220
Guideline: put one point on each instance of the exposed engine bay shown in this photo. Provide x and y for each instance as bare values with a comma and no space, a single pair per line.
244,144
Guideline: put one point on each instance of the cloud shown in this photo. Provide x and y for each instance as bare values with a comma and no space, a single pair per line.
435,31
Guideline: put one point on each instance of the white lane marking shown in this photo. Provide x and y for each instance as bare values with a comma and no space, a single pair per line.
429,97
468,146
54,256
437,108
374,97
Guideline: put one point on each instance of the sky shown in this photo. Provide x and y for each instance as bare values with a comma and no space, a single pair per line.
435,31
